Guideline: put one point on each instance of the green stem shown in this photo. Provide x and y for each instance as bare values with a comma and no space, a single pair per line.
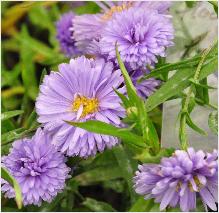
182,133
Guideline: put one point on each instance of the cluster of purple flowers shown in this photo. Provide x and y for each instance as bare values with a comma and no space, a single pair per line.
180,179
83,89
142,31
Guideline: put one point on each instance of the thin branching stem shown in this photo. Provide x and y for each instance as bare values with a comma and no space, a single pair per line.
185,106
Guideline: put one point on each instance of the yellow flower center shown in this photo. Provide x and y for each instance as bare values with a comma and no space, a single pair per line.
116,9
89,105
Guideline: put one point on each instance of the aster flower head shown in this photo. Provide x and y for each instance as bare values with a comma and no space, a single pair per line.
87,29
38,167
141,36
82,90
64,34
180,179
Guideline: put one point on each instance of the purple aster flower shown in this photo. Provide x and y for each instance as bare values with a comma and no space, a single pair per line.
141,36
179,179
88,28
38,167
64,34
146,87
82,90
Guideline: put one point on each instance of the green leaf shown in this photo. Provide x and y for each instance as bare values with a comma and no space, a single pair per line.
98,206
127,166
202,91
123,98
32,120
177,83
106,158
10,78
142,205
47,23
194,126
188,63
107,129
44,72
12,135
102,173
132,94
10,114
118,186
27,67
16,134
146,157
173,86
7,125
38,47
48,207
42,12
190,4
148,129
209,68
203,84
191,104
213,122
18,195
88,7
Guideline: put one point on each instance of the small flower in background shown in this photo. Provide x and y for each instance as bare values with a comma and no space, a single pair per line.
141,36
64,35
160,6
38,167
85,30
146,87
179,179
82,90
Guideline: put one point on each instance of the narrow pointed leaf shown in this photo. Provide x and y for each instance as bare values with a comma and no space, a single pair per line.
148,130
202,85
107,129
127,167
188,63
132,94
18,195
194,126
177,83
28,70
10,114
123,98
